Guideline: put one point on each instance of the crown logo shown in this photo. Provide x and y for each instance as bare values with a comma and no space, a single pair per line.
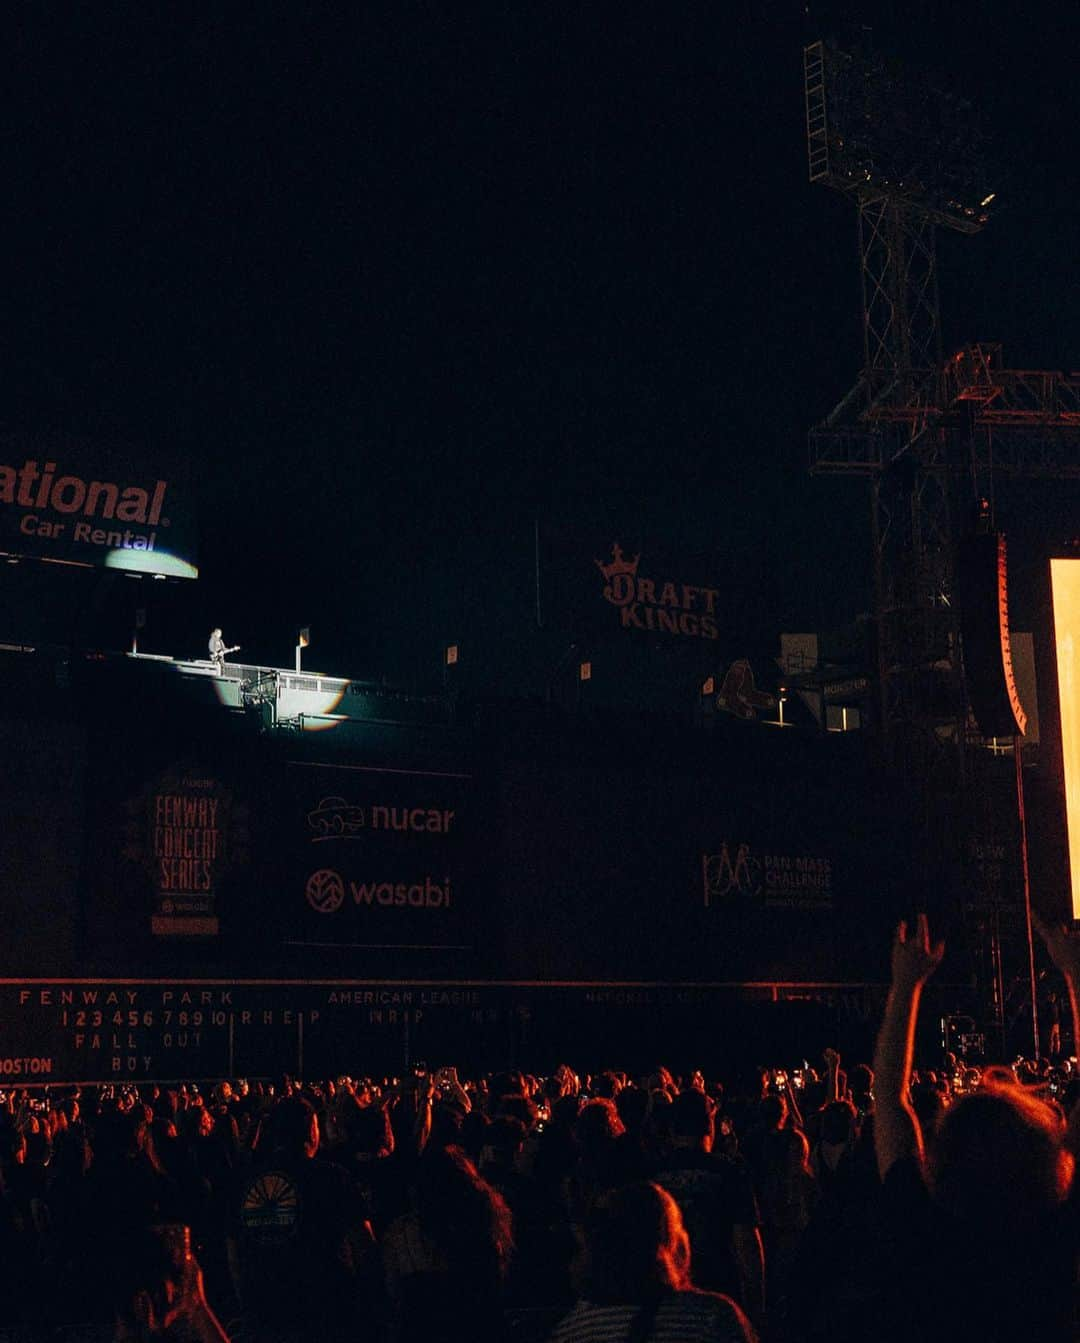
619,565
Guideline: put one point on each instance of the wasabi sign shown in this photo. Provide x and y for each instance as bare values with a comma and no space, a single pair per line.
78,503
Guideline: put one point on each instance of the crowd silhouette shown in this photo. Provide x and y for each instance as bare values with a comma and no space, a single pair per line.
885,1201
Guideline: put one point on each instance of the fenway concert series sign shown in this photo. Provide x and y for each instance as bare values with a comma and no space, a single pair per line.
71,502
190,844
163,849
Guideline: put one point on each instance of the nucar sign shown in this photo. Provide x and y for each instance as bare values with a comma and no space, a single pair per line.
72,502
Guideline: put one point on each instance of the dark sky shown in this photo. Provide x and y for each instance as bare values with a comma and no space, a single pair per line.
398,279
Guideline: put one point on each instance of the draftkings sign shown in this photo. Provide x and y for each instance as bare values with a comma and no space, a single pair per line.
610,585
653,602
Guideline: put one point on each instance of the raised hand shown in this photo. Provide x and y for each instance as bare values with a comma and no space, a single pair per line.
914,958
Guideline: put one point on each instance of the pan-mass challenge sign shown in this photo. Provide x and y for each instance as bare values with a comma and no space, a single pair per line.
72,503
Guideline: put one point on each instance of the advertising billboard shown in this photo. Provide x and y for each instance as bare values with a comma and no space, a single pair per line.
69,501
380,859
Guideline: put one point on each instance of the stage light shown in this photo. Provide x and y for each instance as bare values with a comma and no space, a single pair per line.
157,562
302,641
1065,596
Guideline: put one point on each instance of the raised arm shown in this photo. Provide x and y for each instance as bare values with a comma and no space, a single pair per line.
896,1129
832,1065
425,1092
792,1098
454,1090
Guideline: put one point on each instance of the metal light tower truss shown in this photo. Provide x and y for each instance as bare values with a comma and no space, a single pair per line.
927,466
902,341
929,436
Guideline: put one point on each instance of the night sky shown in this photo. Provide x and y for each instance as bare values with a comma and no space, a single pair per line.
400,279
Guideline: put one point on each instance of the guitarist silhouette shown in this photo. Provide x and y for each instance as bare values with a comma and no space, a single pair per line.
217,649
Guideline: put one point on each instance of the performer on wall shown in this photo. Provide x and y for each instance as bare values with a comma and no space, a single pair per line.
217,649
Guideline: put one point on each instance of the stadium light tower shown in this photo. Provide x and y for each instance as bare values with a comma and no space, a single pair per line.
933,438
909,156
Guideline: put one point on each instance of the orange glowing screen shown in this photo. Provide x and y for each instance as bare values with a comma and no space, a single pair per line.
1065,591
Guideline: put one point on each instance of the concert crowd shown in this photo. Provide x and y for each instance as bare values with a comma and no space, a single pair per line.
839,1200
